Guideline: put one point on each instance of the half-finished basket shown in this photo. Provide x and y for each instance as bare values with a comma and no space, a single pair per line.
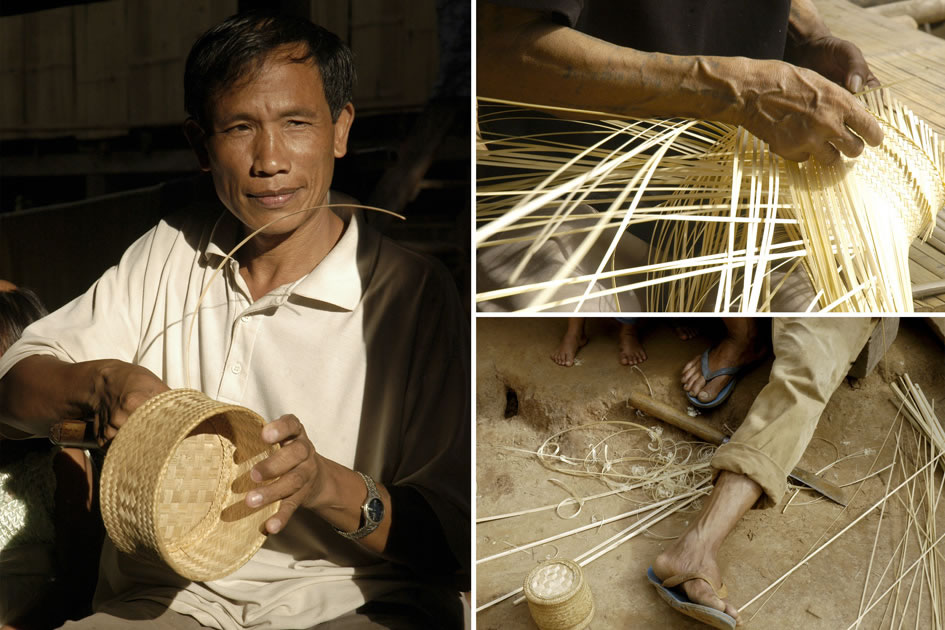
175,480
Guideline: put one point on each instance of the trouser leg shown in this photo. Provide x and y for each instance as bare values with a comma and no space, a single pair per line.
812,355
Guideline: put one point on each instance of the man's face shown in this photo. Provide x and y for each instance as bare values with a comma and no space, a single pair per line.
272,146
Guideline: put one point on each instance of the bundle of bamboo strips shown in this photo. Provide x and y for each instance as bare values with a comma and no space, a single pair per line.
733,222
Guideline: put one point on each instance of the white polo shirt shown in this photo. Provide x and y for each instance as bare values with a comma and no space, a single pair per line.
369,350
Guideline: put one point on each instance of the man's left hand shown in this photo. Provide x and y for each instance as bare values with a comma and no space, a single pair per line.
294,469
837,59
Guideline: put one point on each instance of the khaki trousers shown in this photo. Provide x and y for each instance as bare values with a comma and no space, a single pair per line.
812,355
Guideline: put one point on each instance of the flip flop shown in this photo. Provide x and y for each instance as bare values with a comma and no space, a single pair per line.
708,376
678,601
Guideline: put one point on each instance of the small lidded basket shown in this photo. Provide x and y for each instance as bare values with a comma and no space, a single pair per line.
558,596
175,480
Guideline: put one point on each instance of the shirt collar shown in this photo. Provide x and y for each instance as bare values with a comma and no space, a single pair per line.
336,280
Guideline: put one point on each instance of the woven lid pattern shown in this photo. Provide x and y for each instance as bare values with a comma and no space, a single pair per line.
175,480
558,596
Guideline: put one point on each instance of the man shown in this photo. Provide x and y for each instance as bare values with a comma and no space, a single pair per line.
354,347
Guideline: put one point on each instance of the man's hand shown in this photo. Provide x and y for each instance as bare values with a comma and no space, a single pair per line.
294,467
120,389
801,114
40,391
837,59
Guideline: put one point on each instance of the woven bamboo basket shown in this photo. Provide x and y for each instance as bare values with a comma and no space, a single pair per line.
175,480
558,596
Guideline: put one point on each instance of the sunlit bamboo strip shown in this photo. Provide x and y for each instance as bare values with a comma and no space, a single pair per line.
704,260
860,261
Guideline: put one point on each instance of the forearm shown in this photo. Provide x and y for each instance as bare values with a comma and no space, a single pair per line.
338,500
41,390
410,533
523,56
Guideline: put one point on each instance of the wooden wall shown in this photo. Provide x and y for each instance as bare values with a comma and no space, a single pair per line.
95,70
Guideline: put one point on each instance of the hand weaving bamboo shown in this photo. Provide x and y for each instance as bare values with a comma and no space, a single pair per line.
733,220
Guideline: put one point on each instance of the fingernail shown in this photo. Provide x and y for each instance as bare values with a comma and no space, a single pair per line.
273,525
253,499
269,434
856,82
255,475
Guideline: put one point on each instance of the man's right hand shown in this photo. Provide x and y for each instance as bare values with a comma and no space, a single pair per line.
801,114
40,390
120,388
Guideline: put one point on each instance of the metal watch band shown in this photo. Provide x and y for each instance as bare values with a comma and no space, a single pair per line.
370,524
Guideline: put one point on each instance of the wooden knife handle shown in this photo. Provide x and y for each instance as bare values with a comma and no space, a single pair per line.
679,419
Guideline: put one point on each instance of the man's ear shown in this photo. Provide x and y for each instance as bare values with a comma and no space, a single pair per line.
342,127
198,142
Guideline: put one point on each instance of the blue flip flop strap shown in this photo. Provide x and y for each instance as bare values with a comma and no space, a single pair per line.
725,371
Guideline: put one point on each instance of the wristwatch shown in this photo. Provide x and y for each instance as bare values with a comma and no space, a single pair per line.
372,511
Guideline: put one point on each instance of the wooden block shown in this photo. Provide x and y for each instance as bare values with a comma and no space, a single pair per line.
883,336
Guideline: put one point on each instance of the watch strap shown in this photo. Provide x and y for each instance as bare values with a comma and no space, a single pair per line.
369,525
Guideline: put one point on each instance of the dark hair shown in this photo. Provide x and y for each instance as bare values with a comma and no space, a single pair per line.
18,309
236,48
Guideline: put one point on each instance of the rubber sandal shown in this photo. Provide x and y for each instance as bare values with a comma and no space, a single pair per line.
708,376
678,601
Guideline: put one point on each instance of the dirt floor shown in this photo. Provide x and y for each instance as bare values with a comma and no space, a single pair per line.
523,398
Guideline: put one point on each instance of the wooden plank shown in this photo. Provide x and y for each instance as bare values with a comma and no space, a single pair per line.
49,54
101,67
160,36
12,74
333,15
395,48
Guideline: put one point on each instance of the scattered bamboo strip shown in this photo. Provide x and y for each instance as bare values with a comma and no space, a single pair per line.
584,528
811,555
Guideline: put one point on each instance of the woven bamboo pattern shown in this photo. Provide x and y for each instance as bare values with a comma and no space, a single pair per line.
174,484
558,596
731,220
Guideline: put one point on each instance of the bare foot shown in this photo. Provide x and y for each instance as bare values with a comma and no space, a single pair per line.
742,346
683,331
574,339
690,556
696,551
631,350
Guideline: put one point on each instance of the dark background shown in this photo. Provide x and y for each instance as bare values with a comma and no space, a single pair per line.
91,106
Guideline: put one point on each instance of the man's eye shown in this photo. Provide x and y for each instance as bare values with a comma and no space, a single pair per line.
237,128
298,123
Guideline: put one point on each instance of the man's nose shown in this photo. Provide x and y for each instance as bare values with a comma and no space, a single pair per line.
269,154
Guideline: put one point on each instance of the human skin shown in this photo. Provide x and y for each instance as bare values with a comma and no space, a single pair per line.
523,56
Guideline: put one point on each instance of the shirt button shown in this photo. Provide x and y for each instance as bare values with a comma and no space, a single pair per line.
237,368
244,319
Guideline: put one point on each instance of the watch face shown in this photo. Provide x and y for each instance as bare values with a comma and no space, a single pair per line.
375,510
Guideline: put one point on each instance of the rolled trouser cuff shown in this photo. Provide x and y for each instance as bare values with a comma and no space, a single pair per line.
746,460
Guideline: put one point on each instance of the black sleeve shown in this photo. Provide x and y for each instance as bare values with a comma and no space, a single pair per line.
566,12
